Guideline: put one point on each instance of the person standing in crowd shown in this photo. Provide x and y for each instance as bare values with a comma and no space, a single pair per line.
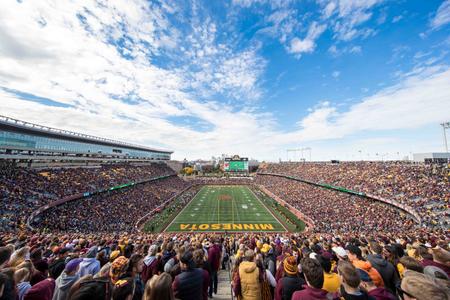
42,290
378,293
314,281
118,269
90,265
192,283
22,281
159,288
151,262
440,259
350,289
248,281
57,266
214,254
331,281
384,268
421,287
123,289
290,282
67,278
355,257
135,267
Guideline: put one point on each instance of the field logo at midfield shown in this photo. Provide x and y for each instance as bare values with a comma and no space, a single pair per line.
225,226
225,197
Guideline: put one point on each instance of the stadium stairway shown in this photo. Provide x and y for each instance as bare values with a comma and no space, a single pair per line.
224,286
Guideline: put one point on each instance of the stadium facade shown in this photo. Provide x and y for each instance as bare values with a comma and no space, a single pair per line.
20,139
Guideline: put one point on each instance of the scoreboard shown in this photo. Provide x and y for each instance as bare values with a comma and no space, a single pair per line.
235,164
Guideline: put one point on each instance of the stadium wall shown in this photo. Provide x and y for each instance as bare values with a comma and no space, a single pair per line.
308,221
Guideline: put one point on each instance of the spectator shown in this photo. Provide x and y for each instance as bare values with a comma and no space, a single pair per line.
350,279
331,281
214,254
410,263
22,281
378,293
435,272
441,259
123,289
90,265
5,254
190,284
418,286
58,265
66,280
134,271
159,288
385,269
355,257
248,281
151,262
41,291
89,289
118,269
290,282
199,259
314,281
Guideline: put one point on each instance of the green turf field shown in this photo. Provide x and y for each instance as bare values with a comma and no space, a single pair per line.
225,208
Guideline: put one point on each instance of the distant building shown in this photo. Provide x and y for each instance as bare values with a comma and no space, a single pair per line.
20,139
436,157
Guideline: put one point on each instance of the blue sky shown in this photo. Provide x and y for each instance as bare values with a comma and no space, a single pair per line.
347,78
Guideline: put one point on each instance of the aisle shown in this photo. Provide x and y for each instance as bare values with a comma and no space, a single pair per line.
224,290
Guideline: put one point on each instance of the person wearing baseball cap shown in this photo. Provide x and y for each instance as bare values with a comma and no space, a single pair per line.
67,278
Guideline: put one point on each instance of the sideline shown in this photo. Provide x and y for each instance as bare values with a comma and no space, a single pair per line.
278,220
187,204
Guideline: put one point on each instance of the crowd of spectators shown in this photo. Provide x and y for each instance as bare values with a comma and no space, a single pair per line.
184,266
424,187
22,190
112,211
334,211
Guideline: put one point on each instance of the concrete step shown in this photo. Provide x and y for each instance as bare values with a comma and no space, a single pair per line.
224,286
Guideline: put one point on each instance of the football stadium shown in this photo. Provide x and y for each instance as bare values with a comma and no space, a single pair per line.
228,150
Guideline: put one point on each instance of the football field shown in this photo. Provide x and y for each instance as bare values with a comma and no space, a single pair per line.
225,208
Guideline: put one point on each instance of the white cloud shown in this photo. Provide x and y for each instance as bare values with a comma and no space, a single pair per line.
300,46
102,66
308,44
421,99
335,74
442,16
397,19
345,17
335,51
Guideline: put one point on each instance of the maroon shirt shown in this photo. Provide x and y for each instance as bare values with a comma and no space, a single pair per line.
310,293
214,257
427,262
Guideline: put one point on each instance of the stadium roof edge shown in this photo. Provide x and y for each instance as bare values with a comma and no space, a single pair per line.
71,134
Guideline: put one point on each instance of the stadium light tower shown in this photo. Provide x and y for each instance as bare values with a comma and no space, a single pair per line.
298,150
445,126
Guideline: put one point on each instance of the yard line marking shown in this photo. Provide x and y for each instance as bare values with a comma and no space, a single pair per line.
179,214
268,210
